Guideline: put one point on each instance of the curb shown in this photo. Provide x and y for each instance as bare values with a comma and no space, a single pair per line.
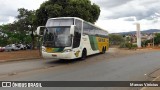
20,59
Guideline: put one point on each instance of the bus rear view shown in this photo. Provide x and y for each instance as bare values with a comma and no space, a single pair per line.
64,38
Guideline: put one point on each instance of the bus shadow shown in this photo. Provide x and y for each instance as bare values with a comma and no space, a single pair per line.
64,61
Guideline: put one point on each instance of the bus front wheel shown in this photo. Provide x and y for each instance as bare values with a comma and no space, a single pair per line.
84,54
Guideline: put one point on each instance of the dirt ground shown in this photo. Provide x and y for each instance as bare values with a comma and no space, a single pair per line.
25,54
132,51
28,54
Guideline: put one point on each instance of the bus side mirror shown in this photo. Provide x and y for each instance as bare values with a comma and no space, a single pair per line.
38,31
72,30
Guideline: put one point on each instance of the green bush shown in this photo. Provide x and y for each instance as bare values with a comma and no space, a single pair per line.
134,46
122,45
128,45
145,43
115,39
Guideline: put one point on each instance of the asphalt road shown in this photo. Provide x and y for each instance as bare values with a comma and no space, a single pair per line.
100,67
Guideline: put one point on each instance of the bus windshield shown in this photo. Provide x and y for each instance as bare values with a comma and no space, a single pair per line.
57,37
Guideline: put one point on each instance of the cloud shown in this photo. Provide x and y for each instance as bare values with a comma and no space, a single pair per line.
141,9
116,15
132,18
110,3
7,19
8,8
4,19
120,15
6,11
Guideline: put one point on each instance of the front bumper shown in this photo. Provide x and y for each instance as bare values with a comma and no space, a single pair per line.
64,55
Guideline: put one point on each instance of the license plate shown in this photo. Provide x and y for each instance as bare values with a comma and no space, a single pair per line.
54,55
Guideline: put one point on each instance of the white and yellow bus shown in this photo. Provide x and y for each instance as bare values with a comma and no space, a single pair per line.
71,38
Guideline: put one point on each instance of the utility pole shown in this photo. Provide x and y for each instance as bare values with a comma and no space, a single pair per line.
153,35
138,35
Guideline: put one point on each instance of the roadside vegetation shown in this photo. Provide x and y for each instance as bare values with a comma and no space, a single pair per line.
155,40
123,41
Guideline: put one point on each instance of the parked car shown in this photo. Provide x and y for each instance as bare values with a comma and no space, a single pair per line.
11,47
8,48
22,46
28,46
2,49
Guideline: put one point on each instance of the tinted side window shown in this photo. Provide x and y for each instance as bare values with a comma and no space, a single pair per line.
88,29
85,28
77,33
78,24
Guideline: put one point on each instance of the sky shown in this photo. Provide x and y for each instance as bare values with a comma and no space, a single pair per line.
115,16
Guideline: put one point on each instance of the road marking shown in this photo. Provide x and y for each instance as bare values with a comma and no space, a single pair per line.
152,80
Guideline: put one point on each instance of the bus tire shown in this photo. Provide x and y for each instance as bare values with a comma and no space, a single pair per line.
103,50
84,54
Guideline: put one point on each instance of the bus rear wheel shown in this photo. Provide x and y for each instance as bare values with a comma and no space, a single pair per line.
84,54
103,50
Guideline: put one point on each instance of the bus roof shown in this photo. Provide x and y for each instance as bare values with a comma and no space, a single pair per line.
79,19
67,18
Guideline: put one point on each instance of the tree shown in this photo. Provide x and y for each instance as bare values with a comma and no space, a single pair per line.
157,39
67,8
26,23
9,34
115,39
5,34
18,31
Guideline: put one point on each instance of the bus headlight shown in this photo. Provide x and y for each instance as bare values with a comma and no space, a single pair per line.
68,50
